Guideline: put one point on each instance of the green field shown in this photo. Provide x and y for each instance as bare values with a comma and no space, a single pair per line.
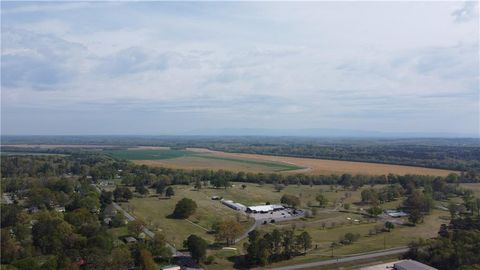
187,158
155,210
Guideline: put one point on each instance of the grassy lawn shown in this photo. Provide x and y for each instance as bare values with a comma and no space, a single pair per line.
400,236
475,187
155,210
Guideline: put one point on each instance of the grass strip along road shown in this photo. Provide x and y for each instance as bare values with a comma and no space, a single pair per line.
345,259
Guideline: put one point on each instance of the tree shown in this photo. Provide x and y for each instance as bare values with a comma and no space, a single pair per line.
9,214
106,198
415,216
304,240
158,246
389,225
198,184
374,211
349,238
122,194
257,249
346,206
244,186
322,200
120,258
277,238
345,180
197,247
146,260
288,243
370,196
85,222
136,226
420,201
169,192
279,187
10,249
228,231
118,220
184,208
51,234
141,189
290,200
453,209
160,187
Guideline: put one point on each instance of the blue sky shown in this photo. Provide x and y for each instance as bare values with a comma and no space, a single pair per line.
173,67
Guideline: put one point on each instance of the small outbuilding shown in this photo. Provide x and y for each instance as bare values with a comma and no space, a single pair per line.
130,240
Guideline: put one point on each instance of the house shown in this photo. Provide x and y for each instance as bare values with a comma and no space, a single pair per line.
107,221
130,240
171,267
60,209
395,213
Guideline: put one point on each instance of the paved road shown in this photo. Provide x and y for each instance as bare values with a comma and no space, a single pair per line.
345,259
245,234
259,221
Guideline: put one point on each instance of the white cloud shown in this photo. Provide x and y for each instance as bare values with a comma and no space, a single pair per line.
295,64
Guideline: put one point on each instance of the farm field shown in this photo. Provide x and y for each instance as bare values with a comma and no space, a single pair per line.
323,166
186,159
199,158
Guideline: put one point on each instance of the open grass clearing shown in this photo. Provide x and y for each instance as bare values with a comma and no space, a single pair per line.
154,212
475,187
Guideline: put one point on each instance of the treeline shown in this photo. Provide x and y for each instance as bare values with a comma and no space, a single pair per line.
265,248
96,166
453,154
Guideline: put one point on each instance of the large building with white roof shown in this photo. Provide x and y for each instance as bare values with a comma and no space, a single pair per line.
265,208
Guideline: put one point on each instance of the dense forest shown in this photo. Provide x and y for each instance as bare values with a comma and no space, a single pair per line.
453,154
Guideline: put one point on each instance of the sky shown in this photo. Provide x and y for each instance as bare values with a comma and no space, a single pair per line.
162,68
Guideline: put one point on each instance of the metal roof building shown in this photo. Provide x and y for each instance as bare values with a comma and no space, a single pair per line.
265,208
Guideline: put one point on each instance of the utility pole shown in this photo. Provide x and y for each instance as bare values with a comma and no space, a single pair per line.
384,241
